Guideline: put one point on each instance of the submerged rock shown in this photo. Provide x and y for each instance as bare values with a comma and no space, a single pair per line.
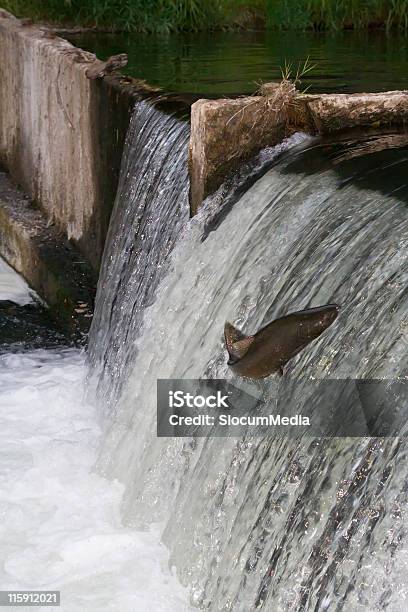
28,327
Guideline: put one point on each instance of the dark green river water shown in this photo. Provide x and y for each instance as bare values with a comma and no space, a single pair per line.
227,63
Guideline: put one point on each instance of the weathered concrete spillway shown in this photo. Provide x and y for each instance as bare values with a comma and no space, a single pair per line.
265,523
61,140
62,136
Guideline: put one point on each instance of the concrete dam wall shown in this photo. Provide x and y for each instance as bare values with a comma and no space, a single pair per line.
61,140
61,134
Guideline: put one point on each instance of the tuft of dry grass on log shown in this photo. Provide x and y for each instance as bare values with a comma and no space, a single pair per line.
280,97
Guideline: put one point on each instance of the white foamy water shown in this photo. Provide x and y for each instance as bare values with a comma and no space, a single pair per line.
60,527
244,532
13,287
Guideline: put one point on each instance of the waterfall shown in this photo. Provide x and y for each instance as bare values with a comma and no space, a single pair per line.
150,209
259,523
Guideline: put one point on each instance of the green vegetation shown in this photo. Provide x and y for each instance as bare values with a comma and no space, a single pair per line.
176,15
138,15
337,14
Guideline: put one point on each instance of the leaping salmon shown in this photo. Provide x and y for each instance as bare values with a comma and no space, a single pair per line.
269,350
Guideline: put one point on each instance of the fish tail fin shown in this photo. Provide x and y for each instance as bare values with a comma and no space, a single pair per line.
237,343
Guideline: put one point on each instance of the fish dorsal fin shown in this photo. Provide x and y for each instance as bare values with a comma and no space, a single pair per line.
237,343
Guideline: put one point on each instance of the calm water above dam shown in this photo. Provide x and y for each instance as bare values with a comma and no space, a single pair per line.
227,63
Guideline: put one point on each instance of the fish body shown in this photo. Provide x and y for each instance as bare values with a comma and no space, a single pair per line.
269,350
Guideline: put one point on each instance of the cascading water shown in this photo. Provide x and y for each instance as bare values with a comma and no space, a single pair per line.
150,209
266,523
60,522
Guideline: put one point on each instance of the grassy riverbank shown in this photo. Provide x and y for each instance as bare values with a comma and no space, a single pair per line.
177,15
142,15
337,14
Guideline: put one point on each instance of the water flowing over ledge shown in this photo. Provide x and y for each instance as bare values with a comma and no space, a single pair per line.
225,133
271,524
250,524
150,211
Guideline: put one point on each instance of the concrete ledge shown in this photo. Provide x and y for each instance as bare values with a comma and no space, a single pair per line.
46,259
224,133
61,134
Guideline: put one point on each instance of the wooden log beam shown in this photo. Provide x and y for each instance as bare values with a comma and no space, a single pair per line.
336,112
224,133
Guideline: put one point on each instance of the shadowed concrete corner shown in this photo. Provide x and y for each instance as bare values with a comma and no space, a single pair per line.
48,261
